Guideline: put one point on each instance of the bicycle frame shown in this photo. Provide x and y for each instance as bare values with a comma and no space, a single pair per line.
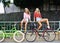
13,33
45,31
10,34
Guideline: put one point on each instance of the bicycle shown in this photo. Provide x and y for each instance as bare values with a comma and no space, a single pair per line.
46,34
17,35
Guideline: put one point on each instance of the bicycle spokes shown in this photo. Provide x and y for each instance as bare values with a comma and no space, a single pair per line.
49,35
30,36
18,36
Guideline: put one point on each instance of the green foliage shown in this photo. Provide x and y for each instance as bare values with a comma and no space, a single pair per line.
6,3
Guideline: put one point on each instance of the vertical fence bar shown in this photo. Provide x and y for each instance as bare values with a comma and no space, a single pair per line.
54,25
59,31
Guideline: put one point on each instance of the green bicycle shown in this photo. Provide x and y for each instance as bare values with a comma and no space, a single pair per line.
17,35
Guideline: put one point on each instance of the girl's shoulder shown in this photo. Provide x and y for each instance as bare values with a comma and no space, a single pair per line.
24,13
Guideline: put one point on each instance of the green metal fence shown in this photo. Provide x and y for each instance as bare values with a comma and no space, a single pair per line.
7,25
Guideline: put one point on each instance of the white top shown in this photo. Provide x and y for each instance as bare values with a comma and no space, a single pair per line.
26,16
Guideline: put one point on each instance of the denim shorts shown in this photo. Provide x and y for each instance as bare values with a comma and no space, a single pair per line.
38,19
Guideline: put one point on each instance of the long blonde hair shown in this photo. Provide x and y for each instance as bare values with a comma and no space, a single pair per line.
37,10
27,11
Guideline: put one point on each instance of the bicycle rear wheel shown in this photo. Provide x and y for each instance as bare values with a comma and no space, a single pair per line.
49,35
30,36
18,36
1,36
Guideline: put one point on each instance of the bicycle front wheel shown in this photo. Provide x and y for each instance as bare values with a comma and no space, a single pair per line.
18,36
49,35
1,36
30,36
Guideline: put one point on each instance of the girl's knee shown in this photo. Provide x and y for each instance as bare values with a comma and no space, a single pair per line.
41,25
21,21
25,23
46,19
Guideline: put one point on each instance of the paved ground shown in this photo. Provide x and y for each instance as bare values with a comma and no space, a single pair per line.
33,42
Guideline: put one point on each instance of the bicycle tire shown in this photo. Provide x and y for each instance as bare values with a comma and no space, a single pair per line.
30,36
20,37
51,37
1,36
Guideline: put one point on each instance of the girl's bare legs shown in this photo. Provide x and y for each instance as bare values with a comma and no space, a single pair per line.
21,25
40,25
25,26
47,22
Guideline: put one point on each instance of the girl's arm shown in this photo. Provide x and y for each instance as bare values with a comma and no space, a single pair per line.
34,16
30,16
24,16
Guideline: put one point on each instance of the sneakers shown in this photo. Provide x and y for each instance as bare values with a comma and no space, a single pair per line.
48,27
